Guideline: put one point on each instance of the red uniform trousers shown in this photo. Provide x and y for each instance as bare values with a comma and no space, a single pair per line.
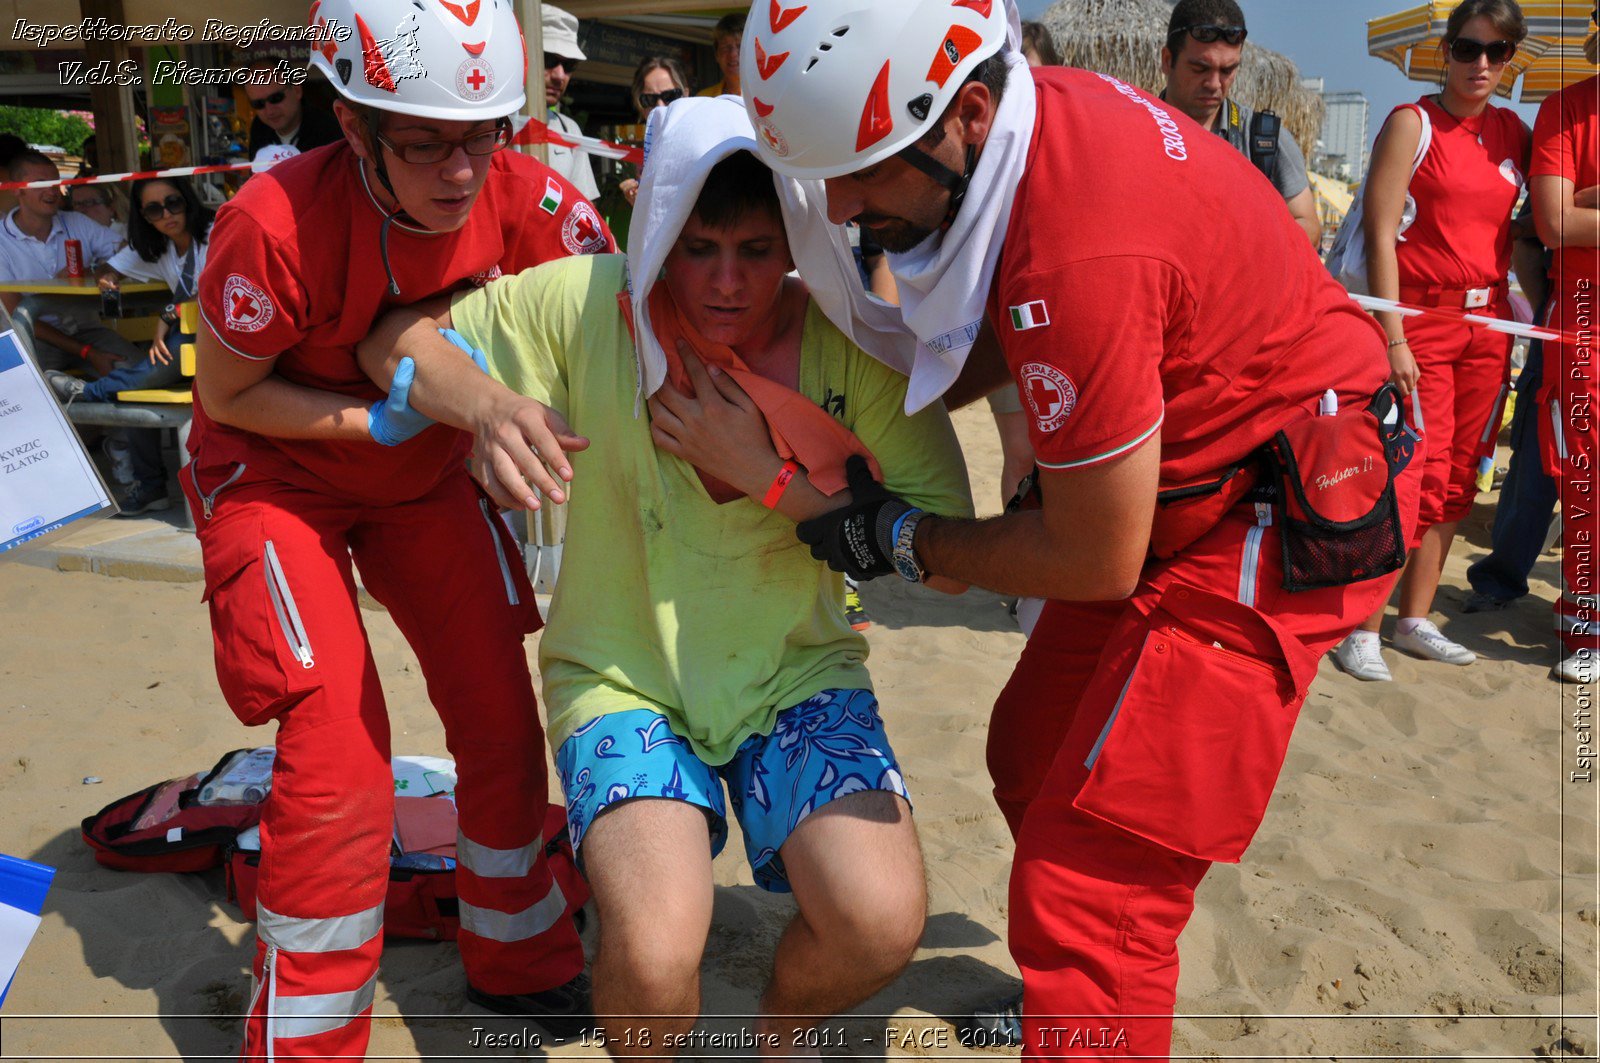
1571,449
291,647
1201,672
1458,403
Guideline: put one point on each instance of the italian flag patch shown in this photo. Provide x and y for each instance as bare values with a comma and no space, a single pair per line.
552,197
1030,315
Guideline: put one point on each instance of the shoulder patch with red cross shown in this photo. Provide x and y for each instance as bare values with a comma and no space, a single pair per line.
583,233
1050,394
245,307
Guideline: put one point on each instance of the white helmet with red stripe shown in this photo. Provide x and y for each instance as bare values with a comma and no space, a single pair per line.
834,86
461,62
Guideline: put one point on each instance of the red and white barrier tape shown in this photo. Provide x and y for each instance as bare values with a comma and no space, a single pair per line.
527,132
1494,324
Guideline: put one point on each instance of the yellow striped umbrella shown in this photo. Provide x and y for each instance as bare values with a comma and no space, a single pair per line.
1549,60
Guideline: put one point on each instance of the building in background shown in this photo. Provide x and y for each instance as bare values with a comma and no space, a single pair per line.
1344,149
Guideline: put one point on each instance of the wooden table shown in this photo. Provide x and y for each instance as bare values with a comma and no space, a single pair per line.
66,295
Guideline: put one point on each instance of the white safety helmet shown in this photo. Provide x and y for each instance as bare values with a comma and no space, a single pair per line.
834,86
460,62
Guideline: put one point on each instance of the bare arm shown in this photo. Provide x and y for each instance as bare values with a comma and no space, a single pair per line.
1303,208
1561,221
1383,206
1088,543
246,393
984,373
517,441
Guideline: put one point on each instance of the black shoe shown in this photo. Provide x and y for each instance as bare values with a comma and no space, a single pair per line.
145,498
998,1025
564,1011
66,386
1479,602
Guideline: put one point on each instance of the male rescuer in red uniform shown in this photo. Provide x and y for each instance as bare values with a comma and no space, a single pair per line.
1164,318
300,465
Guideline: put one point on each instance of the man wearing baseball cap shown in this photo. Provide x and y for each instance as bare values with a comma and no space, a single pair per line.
561,57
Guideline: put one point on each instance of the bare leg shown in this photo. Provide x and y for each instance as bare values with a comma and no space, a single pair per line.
857,875
1423,569
649,865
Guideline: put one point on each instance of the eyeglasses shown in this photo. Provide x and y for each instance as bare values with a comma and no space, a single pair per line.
652,100
269,101
89,202
173,204
429,152
1211,34
1467,50
551,61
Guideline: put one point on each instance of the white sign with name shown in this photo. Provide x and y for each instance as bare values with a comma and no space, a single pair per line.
46,480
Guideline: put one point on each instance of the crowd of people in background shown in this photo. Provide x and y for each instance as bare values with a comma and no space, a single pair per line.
1442,231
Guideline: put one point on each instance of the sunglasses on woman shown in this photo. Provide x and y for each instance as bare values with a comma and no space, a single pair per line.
651,100
1211,34
171,205
1467,50
268,101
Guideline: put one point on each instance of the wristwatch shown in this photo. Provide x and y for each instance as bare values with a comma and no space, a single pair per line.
905,548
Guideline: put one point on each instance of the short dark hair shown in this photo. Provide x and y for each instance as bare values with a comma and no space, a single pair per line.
26,158
1505,14
10,146
145,238
991,74
727,26
1036,35
737,185
1200,13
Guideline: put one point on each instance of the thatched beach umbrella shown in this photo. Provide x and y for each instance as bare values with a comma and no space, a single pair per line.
1123,38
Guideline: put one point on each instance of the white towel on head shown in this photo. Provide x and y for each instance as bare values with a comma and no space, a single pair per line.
944,281
683,142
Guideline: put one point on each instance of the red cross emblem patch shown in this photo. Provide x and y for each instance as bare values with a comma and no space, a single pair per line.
245,307
1050,394
474,78
583,233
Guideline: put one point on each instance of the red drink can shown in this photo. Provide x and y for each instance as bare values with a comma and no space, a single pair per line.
74,258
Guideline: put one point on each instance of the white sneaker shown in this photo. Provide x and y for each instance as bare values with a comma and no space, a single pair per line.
1427,642
1360,655
1579,667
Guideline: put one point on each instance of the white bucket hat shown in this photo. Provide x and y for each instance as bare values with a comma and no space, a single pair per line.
561,33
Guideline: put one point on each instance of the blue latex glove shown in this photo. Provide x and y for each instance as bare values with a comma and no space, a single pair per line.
392,420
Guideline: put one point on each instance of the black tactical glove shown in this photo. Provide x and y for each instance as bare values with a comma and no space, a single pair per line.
857,540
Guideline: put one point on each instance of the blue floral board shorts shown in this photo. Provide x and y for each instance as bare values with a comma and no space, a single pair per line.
827,746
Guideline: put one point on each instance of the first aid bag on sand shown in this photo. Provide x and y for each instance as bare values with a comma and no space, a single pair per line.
168,826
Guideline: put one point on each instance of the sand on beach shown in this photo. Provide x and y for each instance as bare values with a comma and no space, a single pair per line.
1424,884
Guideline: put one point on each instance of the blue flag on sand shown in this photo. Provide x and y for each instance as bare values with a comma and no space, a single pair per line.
23,885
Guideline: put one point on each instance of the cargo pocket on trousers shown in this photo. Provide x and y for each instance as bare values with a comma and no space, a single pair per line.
1192,748
266,661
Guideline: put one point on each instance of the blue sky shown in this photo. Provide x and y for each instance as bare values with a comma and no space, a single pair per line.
1328,39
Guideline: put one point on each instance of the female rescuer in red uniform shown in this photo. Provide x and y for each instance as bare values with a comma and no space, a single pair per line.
300,466
1445,241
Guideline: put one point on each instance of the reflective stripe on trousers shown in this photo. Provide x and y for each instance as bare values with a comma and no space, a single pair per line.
515,926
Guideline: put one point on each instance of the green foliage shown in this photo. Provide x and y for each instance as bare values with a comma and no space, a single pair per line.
38,126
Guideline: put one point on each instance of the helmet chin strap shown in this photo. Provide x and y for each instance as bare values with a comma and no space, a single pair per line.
956,183
398,213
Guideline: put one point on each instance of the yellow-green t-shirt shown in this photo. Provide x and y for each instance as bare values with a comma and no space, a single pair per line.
714,615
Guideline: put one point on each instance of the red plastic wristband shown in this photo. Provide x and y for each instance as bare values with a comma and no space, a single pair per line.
780,484
84,354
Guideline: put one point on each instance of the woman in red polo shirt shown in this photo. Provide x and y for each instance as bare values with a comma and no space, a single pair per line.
1442,238
1566,193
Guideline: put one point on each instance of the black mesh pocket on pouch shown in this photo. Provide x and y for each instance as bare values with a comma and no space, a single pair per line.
1319,554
